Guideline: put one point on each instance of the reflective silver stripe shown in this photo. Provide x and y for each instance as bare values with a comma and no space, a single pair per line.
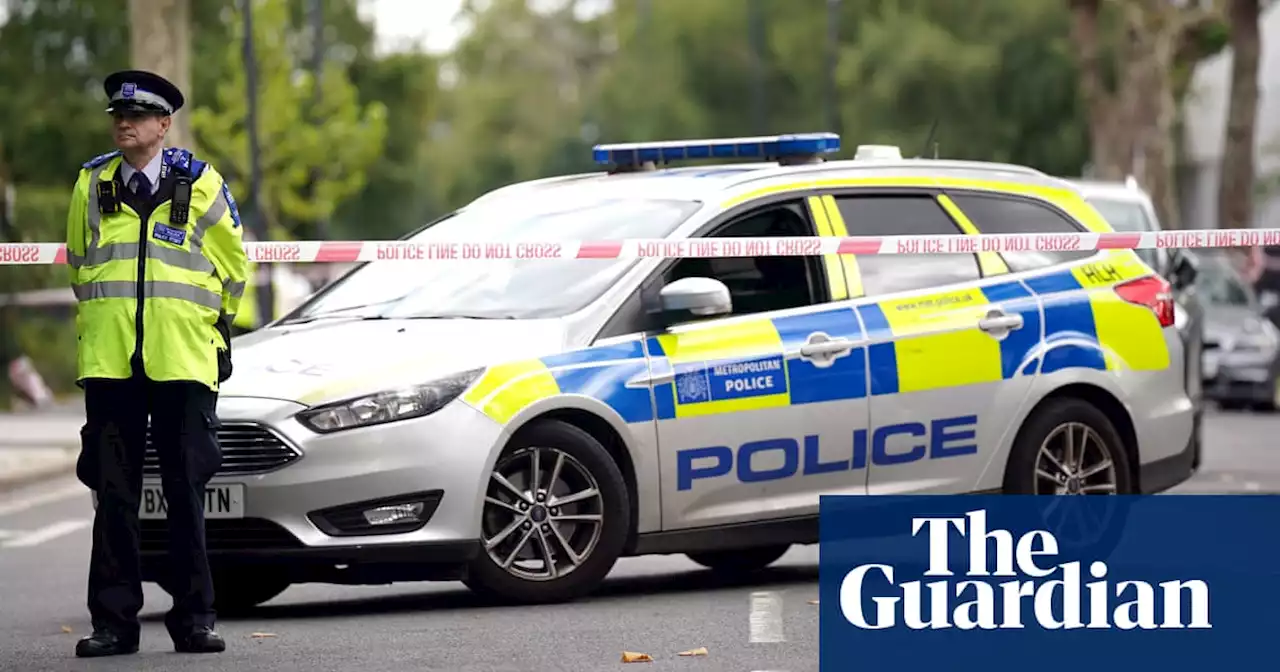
235,289
124,251
95,215
152,289
211,216
101,255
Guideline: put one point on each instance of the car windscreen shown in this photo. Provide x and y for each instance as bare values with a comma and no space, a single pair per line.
1219,284
1127,217
503,288
1124,216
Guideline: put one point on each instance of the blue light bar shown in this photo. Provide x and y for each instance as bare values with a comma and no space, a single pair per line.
765,148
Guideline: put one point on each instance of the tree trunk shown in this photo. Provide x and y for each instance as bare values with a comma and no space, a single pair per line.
160,40
1115,117
1099,104
1156,110
1235,195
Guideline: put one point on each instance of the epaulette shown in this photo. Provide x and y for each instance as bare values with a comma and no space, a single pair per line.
183,162
100,159
178,159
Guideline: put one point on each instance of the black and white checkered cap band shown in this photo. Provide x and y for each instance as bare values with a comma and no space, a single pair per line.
140,96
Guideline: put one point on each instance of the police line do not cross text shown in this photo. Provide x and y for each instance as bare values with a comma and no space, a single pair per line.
971,604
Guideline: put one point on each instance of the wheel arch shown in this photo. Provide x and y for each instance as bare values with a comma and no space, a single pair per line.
597,420
1109,405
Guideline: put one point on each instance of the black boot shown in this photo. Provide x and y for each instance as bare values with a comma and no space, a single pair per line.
200,640
105,643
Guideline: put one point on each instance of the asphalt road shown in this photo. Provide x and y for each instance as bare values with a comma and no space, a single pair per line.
659,605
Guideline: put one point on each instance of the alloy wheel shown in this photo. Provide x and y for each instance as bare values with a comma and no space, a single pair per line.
543,514
1074,460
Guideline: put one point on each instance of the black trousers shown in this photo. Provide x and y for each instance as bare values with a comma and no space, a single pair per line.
184,431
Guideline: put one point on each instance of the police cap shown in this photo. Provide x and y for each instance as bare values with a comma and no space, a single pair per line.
141,91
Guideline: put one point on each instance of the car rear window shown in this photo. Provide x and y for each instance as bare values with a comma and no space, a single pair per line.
1004,214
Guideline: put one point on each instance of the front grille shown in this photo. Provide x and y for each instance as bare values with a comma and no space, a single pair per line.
246,449
246,534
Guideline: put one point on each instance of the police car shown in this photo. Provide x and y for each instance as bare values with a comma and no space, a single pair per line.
520,424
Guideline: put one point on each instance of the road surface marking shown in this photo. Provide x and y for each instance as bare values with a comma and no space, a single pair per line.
47,533
18,506
766,618
5,534
1252,487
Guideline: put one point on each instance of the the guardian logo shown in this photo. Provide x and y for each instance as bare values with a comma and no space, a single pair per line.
1053,603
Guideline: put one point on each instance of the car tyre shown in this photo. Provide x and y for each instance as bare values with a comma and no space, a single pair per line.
576,524
741,561
238,592
1086,529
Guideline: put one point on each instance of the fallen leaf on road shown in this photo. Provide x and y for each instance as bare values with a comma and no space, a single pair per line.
633,657
813,601
700,651
66,629
261,635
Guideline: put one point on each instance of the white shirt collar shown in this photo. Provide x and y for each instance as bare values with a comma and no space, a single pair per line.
151,170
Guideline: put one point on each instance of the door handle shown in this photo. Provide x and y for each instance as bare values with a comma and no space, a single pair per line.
822,350
826,348
998,321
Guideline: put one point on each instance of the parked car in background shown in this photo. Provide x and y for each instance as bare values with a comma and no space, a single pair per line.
1128,208
1241,346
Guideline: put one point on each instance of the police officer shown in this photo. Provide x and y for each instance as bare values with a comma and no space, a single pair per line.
158,269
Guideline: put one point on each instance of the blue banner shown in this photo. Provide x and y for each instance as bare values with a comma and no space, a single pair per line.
1094,583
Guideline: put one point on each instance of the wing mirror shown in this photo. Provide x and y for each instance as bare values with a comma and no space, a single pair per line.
1183,269
703,297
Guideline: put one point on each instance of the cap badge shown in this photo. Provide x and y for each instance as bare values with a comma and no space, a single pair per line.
128,90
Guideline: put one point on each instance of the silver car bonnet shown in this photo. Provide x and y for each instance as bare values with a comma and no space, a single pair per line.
329,360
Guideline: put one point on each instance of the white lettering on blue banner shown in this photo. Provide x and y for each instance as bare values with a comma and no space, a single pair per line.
729,379
1063,602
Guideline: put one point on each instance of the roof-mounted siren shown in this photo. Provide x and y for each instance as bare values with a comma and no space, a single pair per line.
787,150
878,153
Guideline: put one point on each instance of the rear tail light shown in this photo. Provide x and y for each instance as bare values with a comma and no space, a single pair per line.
1151,291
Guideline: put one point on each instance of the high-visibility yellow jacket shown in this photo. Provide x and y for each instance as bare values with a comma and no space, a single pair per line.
247,316
154,287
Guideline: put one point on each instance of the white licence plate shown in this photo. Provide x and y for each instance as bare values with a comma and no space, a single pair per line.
1210,366
220,501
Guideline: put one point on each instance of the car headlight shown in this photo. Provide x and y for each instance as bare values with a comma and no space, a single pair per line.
1258,335
387,406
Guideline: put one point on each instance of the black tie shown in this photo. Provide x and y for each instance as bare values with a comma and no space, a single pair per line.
140,184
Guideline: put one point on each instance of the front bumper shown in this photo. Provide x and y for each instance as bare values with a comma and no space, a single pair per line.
1240,377
306,517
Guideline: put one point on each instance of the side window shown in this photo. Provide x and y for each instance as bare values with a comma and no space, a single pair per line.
997,214
904,215
759,284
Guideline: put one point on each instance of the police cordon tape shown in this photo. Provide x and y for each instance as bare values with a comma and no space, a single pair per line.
797,246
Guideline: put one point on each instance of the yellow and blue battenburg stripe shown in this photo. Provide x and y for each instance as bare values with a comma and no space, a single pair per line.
918,343
599,372
602,373
929,342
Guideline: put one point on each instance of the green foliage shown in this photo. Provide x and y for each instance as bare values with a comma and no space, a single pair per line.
54,58
334,153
